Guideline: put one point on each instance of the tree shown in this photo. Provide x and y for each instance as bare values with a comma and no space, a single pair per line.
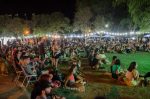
59,23
54,23
82,19
40,23
127,25
99,23
140,12
4,20
15,26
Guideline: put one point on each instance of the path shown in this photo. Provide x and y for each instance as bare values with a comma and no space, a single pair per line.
9,90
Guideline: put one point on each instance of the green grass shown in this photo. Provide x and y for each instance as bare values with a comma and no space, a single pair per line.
142,59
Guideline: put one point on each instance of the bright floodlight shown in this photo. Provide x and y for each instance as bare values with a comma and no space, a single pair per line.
27,32
106,25
131,32
133,38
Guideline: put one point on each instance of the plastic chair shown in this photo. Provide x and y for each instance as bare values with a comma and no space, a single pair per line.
18,73
28,77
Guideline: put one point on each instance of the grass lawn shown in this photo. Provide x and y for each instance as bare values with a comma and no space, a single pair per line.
102,85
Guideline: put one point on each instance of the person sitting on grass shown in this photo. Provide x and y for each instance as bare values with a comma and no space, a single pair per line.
73,54
116,70
113,62
76,72
43,88
45,91
103,58
132,75
96,60
70,80
90,58
146,80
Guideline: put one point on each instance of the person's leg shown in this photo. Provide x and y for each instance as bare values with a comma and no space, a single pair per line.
53,62
79,79
56,63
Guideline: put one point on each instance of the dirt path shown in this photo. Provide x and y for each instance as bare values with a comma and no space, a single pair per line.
9,90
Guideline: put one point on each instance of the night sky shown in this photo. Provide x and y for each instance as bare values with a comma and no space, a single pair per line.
67,7
38,7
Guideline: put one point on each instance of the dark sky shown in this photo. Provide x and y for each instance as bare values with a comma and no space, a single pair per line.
42,6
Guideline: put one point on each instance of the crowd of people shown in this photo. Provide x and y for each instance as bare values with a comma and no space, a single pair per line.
36,55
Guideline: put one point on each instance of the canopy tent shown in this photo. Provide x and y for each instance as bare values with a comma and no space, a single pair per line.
95,35
148,35
108,36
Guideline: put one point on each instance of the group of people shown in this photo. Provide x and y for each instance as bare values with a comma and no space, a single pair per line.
36,55
123,45
35,59
131,76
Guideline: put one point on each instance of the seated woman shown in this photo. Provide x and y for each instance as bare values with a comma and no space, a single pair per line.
116,70
113,62
76,72
73,54
95,62
132,75
43,90
70,80
90,58
103,58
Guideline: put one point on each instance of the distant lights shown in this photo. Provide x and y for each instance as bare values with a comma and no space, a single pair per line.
48,35
106,25
26,32
133,38
132,33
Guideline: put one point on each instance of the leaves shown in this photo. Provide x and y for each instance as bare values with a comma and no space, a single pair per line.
99,23
140,12
54,23
82,19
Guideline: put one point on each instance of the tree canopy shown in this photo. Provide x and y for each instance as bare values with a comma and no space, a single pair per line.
89,16
139,11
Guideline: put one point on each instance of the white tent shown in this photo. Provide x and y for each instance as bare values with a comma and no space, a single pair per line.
95,35
108,36
148,35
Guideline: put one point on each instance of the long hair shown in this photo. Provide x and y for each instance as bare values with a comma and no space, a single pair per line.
132,66
117,62
114,58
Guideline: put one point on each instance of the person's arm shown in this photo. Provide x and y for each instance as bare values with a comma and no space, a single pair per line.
135,74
